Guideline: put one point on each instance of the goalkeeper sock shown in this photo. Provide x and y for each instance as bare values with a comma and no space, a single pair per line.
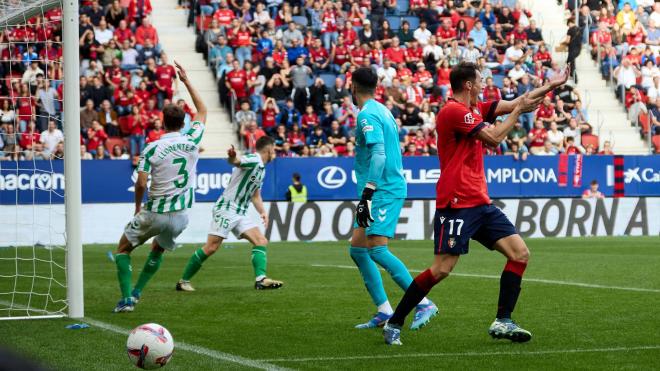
510,287
370,274
124,272
392,264
194,264
150,268
259,260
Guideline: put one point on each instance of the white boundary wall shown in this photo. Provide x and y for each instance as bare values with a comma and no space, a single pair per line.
331,220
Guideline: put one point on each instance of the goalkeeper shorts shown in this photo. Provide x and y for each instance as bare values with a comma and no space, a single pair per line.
385,213
164,227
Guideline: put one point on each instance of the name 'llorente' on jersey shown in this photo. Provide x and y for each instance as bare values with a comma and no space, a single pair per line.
172,163
245,180
375,124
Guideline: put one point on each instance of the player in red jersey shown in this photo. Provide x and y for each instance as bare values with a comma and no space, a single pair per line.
463,208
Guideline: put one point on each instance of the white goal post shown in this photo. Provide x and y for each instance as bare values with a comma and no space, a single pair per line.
15,13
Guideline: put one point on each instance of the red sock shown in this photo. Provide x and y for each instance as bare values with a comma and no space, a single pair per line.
426,281
517,267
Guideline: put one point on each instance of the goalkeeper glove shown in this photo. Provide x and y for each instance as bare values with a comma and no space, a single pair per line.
363,210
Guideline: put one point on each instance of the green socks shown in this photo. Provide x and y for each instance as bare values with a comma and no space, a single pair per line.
124,273
194,264
259,262
150,268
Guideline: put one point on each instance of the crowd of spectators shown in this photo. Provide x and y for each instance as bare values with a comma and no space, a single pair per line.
625,39
125,80
286,65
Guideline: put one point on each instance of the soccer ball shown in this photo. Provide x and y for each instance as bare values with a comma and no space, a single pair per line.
150,346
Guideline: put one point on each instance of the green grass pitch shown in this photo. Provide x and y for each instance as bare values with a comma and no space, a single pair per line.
612,322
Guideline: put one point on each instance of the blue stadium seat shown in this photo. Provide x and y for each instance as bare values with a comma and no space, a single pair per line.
402,7
395,22
412,20
300,20
328,79
498,80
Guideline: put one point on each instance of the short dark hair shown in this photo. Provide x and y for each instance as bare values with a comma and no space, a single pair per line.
173,117
594,182
296,177
365,80
264,141
462,72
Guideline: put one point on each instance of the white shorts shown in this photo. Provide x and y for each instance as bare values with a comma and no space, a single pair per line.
226,221
166,227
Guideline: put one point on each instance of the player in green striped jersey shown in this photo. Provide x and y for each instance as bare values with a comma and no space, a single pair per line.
230,214
171,162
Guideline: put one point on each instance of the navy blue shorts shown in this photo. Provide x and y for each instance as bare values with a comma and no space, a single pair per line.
455,227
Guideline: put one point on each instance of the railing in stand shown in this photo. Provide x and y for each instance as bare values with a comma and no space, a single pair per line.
649,135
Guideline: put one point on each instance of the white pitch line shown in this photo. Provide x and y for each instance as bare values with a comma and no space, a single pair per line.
261,365
538,280
466,354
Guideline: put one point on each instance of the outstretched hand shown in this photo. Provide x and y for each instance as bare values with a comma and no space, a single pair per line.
560,79
181,72
528,104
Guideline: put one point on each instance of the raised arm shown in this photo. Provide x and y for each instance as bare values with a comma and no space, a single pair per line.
194,94
536,95
232,158
493,135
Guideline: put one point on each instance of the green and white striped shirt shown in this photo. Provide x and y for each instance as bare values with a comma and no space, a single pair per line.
245,180
172,162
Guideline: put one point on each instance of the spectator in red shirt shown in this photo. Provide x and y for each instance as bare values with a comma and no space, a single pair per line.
224,15
546,112
30,136
236,80
96,136
243,43
123,33
491,92
165,75
592,192
423,77
340,55
544,56
329,33
309,120
250,134
319,57
144,32
137,125
156,132
412,150
537,137
269,115
445,33
395,53
139,9
296,138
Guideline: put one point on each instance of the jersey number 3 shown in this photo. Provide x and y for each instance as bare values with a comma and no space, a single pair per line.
182,171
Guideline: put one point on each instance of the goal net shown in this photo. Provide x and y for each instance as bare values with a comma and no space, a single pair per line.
35,265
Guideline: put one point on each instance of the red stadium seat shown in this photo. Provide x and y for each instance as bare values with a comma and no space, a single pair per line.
588,139
110,143
656,143
643,120
469,22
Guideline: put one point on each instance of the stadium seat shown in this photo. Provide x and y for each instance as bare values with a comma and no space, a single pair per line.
469,22
395,22
644,126
656,143
498,80
328,79
402,7
414,21
203,23
110,143
300,20
588,139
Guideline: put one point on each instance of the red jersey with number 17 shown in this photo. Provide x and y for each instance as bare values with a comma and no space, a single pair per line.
462,182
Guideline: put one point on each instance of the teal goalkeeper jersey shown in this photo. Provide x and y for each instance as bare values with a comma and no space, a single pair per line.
375,124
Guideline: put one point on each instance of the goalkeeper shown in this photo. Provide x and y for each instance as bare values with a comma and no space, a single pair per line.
379,172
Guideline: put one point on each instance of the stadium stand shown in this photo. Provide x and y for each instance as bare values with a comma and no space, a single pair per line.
252,49
253,53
